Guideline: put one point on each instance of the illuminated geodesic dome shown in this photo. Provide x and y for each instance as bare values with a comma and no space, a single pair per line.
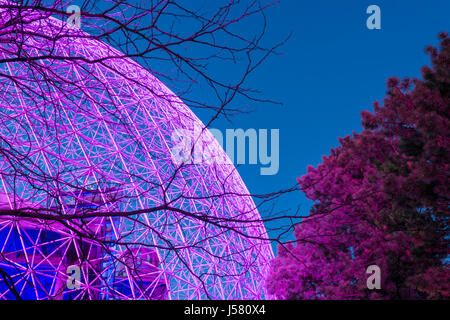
89,143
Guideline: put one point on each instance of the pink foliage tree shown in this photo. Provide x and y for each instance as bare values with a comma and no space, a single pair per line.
380,198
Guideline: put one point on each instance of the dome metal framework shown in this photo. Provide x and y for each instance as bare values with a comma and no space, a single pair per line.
92,138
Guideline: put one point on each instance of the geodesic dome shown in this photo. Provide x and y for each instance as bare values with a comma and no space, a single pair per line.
89,142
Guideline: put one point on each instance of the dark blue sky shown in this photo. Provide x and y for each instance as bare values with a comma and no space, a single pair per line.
332,68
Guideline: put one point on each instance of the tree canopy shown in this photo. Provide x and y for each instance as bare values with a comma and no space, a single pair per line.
380,198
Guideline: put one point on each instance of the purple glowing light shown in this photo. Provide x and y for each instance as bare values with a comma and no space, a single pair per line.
98,138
